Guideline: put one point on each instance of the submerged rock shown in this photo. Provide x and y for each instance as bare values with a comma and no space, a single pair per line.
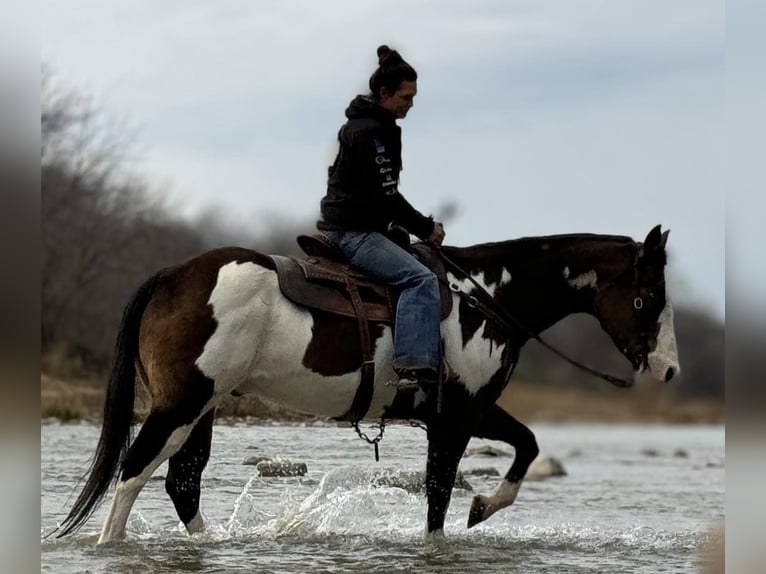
482,471
545,467
680,453
254,460
414,481
281,468
486,450
650,452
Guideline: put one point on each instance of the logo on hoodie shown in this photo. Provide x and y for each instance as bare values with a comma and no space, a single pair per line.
379,147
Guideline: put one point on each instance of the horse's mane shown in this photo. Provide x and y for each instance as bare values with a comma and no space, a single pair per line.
518,247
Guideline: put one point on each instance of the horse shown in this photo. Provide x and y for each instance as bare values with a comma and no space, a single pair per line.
218,324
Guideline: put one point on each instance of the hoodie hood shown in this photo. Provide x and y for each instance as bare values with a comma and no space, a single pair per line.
364,107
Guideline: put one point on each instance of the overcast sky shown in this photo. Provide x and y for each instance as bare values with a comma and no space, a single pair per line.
535,117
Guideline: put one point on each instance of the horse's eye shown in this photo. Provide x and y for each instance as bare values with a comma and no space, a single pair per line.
638,303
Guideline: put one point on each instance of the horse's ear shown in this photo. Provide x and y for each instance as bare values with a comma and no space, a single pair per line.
653,239
653,254
664,239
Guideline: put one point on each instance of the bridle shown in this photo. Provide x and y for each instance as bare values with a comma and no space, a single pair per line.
498,315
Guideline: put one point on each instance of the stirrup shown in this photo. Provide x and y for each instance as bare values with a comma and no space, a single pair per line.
414,379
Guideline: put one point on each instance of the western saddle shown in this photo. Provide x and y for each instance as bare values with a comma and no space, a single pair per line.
325,280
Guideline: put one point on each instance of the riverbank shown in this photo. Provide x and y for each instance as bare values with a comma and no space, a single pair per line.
646,403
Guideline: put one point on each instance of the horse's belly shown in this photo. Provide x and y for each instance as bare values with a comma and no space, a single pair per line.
280,376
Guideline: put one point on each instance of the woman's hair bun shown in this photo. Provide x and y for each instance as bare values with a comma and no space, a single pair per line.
388,56
392,70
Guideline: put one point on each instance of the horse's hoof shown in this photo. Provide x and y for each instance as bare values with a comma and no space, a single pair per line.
478,511
435,536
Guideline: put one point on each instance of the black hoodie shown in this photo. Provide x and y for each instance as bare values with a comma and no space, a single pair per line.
362,187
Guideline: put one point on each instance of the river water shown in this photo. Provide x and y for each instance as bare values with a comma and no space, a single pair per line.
629,503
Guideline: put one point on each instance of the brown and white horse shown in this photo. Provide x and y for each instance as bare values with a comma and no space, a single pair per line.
218,324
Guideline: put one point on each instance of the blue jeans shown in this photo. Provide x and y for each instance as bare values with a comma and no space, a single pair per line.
417,336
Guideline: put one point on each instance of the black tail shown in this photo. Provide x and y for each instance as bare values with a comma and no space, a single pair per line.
118,412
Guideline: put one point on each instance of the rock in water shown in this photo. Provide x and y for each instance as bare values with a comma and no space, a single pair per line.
486,451
281,468
254,460
460,482
545,467
482,471
413,481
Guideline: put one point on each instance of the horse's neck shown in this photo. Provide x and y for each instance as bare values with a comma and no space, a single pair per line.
540,281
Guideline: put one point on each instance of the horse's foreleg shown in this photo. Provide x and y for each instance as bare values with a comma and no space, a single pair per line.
445,448
160,437
496,424
182,482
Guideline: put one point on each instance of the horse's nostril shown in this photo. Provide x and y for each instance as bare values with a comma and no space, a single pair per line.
669,374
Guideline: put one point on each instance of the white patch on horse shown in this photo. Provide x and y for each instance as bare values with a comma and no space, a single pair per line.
466,285
587,279
566,272
665,353
260,341
477,360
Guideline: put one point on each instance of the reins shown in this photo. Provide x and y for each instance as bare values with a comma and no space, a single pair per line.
507,322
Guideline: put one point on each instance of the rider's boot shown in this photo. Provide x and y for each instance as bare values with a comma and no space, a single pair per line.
424,379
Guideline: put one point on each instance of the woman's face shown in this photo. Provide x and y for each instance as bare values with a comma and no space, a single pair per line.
400,101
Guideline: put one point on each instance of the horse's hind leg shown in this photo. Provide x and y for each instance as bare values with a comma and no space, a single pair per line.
496,424
185,472
161,436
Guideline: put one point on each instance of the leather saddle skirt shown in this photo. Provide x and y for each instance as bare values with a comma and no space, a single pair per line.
324,280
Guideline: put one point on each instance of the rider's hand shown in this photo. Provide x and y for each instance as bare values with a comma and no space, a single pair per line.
437,235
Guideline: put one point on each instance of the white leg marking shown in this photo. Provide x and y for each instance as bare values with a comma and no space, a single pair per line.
124,496
196,524
665,354
505,494
435,537
126,492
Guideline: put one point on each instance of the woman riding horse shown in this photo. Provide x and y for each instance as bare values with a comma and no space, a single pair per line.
363,198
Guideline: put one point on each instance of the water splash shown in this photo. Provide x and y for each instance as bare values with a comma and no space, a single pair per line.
138,525
347,501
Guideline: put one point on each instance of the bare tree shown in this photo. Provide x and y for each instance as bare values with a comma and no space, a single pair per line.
104,229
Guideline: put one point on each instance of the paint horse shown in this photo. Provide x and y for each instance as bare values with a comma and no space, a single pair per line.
219,324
